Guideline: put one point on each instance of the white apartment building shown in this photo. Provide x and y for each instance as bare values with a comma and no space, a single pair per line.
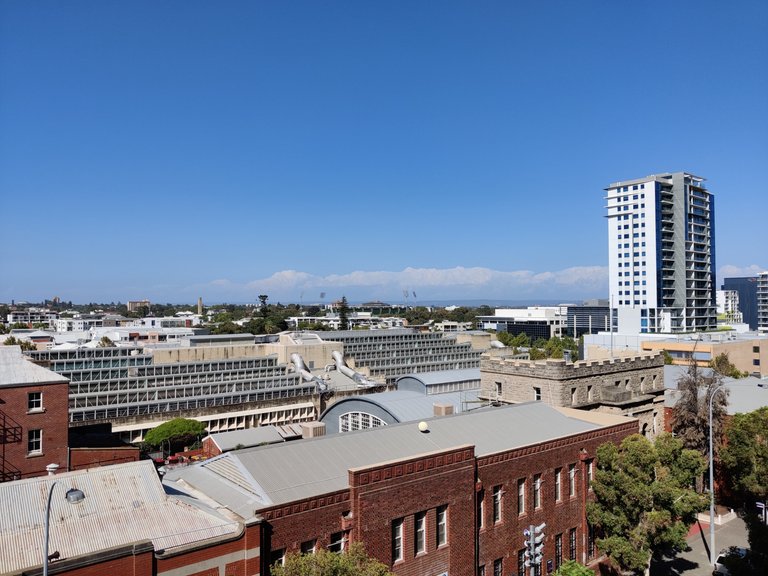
762,302
728,306
661,254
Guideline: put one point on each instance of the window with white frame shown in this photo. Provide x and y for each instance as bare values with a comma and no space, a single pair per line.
34,401
589,474
339,541
571,479
308,547
442,525
420,533
537,491
521,496
397,540
359,421
35,442
497,494
558,486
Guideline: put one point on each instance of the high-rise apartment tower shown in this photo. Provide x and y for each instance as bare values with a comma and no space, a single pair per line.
661,258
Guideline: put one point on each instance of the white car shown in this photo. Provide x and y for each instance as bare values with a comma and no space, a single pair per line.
721,564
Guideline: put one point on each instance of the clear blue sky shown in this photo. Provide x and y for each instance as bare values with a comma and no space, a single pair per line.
170,150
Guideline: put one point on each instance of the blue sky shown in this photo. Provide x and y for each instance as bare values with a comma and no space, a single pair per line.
170,150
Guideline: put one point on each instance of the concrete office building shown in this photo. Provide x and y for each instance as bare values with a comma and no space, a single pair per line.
661,238
762,302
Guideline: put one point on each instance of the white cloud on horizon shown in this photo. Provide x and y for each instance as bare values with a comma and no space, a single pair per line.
429,284
732,271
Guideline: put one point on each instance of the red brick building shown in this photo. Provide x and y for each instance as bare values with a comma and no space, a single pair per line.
450,495
34,416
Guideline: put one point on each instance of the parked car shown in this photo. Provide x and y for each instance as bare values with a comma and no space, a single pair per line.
727,558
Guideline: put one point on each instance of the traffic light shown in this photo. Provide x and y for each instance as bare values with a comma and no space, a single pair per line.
534,545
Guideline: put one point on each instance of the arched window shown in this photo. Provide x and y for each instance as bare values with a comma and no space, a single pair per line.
359,421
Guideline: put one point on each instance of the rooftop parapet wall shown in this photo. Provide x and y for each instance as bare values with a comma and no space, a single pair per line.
557,369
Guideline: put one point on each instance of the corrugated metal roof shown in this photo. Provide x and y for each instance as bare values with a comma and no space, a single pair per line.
248,437
124,503
445,376
16,369
305,468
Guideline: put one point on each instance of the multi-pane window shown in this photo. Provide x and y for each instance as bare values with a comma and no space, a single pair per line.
537,491
497,493
498,567
277,557
339,541
558,550
34,441
589,474
481,510
521,562
558,487
571,479
521,496
590,542
308,547
442,525
420,533
397,540
537,393
34,401
359,421
572,544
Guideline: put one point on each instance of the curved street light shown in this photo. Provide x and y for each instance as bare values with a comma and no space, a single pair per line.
73,496
712,555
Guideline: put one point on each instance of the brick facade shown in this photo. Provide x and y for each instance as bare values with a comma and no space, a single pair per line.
18,458
456,481
628,386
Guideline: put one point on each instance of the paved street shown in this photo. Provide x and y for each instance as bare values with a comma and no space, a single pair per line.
695,560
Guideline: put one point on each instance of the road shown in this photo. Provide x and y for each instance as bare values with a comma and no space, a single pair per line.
695,560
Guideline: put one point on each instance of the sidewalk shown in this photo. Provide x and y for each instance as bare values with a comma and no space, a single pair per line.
695,560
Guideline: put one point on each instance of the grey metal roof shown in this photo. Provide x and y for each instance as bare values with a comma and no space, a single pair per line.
124,503
248,437
744,394
404,405
445,376
16,369
304,468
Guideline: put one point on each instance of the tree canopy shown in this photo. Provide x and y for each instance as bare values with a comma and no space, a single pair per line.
573,568
744,456
353,562
722,364
176,431
644,500
690,415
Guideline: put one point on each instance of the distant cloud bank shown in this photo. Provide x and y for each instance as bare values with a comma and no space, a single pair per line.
420,284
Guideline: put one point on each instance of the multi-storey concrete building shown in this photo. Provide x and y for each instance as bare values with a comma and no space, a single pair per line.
388,354
33,316
629,386
762,302
728,306
661,238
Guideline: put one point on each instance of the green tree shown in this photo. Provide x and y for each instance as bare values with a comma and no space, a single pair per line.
644,500
178,431
573,568
722,365
668,360
263,304
744,456
344,314
106,342
24,344
353,562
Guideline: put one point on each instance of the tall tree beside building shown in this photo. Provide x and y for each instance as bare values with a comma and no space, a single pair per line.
644,498
690,416
344,314
744,456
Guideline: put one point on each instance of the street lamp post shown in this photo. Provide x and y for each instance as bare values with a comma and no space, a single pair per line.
73,496
712,552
